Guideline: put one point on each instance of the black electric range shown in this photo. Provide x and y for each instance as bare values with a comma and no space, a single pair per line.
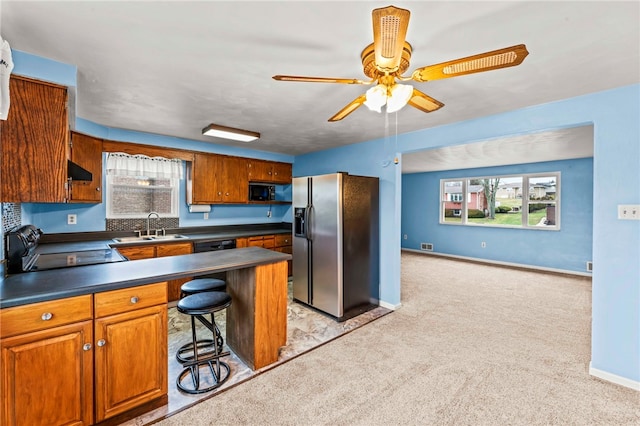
20,248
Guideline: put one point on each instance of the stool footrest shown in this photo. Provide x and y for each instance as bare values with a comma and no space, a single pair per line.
219,374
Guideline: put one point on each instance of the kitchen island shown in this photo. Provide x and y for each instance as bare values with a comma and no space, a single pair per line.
256,319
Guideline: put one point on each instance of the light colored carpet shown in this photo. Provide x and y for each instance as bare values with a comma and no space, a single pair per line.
471,345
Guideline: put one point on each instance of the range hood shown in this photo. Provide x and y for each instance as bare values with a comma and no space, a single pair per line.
75,172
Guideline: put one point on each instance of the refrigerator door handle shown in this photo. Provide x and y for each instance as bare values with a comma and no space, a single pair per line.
307,218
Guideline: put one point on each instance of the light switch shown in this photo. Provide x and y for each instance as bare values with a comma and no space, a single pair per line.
629,211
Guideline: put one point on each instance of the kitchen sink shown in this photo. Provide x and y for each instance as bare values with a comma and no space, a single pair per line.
167,237
148,238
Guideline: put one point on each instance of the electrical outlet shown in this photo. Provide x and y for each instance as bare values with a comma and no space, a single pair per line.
269,213
205,215
483,244
629,211
72,219
406,236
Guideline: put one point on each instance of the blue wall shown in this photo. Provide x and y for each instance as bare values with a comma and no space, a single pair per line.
567,249
616,243
52,218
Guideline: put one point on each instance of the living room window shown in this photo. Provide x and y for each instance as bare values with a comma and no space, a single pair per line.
527,201
137,185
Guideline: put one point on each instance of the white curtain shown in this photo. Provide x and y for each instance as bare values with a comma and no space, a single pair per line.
121,164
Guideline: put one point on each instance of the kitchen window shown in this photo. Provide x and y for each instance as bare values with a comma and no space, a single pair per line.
137,185
526,201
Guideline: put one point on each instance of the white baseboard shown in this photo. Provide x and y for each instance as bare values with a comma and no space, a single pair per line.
497,262
389,305
614,378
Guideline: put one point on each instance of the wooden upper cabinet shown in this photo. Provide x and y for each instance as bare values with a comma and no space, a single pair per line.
269,171
34,146
231,180
282,173
217,179
86,151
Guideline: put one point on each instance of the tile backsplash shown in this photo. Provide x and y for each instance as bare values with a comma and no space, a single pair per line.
141,224
11,216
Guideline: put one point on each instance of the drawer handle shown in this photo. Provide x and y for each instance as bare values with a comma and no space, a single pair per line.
134,299
101,342
47,316
86,347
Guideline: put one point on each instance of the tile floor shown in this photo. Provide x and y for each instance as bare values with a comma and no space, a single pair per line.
306,329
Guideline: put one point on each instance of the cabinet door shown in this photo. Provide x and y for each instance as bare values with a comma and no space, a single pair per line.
231,180
203,176
138,252
259,171
47,377
242,242
174,250
34,147
86,151
130,360
282,173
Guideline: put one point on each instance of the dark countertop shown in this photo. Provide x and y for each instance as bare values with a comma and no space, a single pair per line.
61,243
31,287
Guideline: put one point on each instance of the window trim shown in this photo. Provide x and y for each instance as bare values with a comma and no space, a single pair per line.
526,177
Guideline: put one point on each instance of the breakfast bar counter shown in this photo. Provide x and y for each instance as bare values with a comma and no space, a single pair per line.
256,281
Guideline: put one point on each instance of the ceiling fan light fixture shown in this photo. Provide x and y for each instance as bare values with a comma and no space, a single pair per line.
218,131
398,97
376,98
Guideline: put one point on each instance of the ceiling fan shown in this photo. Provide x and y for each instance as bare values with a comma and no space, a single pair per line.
387,58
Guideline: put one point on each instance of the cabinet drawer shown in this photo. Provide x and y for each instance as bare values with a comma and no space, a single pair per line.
135,253
128,299
283,240
174,249
269,242
44,315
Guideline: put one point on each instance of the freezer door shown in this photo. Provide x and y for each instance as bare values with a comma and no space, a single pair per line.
301,247
325,226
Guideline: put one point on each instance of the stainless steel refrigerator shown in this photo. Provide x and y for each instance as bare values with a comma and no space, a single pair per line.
336,243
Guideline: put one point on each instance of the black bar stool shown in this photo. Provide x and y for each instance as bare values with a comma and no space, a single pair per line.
200,285
197,305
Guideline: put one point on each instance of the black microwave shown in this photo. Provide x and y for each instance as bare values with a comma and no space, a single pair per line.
261,192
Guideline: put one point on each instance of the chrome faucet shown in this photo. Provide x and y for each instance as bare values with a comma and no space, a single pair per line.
149,217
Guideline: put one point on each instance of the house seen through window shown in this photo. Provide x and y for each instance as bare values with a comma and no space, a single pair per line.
137,185
528,201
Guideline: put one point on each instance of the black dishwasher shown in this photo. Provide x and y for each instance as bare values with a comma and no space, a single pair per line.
200,246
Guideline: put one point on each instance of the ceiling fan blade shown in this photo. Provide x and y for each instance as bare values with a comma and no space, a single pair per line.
423,102
389,33
320,79
349,108
501,58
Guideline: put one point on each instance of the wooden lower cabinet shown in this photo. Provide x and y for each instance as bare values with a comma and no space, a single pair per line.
47,377
131,364
160,250
175,250
279,242
84,359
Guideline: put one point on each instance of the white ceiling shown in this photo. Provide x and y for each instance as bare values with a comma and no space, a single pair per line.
559,144
173,67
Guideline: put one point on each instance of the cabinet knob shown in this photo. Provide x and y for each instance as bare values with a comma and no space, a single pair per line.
134,299
98,189
86,347
47,316
219,193
101,342
227,194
